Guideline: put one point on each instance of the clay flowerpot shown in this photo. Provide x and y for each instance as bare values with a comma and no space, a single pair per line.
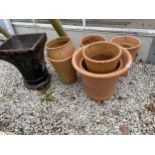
64,69
26,53
91,38
60,48
101,57
101,86
84,67
59,52
132,44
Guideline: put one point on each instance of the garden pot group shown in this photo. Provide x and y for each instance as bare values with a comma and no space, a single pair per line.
59,52
100,62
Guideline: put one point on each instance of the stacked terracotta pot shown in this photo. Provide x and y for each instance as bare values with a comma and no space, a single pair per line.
101,64
60,52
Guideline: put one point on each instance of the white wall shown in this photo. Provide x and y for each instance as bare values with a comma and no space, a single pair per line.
76,34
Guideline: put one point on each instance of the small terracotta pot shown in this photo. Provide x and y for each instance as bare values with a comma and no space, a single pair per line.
60,48
102,57
91,38
101,86
132,44
64,69
84,67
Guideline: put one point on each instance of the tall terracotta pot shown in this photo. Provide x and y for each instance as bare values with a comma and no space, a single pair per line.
91,38
131,43
100,86
59,52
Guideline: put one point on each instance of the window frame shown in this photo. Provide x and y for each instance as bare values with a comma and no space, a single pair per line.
145,32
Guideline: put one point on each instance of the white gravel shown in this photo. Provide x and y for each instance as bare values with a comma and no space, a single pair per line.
24,111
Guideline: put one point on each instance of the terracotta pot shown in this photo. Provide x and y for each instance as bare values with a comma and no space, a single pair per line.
64,69
101,86
102,57
132,44
91,38
84,67
60,48
26,52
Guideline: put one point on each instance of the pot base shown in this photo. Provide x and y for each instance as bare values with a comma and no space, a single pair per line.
37,84
104,90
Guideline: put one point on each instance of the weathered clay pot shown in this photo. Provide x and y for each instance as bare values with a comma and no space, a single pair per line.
101,86
91,38
60,48
101,57
84,67
64,69
131,43
26,52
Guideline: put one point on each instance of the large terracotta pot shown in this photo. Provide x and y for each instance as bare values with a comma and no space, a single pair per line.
60,48
102,57
131,43
101,86
91,38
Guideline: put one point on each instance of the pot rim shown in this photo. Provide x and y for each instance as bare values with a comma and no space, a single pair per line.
102,61
59,60
57,39
91,35
130,37
118,68
101,76
41,37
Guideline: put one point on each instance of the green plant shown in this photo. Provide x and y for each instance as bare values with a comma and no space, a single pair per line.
44,89
5,33
58,27
48,97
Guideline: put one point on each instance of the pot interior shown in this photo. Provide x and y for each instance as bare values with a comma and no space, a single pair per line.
102,51
58,42
102,57
125,45
92,39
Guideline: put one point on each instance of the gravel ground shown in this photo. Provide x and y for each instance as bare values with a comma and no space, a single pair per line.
67,110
